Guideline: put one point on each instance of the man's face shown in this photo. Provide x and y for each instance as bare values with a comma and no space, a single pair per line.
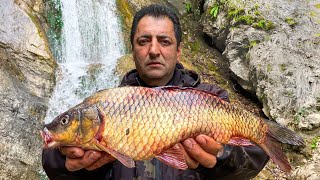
155,50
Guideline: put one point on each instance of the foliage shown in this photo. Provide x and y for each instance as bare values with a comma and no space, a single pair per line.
252,44
283,67
263,24
214,11
301,113
269,68
291,22
251,17
314,142
216,7
188,7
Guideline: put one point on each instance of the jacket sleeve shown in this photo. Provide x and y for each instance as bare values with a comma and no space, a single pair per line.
237,162
53,164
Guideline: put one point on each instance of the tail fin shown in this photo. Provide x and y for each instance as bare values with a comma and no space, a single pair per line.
272,147
284,134
274,151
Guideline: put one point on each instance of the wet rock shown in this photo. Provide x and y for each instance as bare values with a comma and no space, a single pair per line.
26,81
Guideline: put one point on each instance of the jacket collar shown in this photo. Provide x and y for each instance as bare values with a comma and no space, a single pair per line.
181,77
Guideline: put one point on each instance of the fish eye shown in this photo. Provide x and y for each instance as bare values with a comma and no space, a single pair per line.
64,120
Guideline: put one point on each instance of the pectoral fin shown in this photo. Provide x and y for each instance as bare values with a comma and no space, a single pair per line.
173,157
125,160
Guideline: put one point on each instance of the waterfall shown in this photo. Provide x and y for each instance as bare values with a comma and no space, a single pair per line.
91,44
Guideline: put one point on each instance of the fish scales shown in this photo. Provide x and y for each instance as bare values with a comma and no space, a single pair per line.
171,115
138,123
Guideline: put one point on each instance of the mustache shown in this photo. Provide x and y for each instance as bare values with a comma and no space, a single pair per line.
154,61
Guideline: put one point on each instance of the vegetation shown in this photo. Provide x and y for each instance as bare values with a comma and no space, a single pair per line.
214,11
269,68
314,142
291,22
253,18
188,7
283,67
53,15
301,113
239,15
253,43
126,16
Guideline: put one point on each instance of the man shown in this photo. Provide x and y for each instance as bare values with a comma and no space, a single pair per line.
155,38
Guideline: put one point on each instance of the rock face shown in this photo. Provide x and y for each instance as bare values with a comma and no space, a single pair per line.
26,81
279,65
272,50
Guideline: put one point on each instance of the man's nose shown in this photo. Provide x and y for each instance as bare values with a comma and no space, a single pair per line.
154,49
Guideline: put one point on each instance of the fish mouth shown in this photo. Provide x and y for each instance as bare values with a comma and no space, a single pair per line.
48,140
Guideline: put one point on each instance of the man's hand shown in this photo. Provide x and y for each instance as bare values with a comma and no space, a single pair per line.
77,158
201,150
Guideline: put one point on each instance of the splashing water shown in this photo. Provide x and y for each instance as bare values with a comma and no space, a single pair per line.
91,45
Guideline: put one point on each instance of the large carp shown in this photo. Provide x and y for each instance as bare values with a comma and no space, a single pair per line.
139,123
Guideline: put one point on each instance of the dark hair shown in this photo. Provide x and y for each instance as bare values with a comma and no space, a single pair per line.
157,10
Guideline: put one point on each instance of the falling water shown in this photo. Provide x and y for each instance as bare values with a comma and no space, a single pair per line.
91,45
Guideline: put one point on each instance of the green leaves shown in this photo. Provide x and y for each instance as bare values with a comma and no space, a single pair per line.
188,7
314,142
214,11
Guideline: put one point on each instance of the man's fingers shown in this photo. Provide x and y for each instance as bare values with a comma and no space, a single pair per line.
198,154
105,158
209,144
192,164
79,163
72,152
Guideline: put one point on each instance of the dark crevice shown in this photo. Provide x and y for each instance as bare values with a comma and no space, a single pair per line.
237,88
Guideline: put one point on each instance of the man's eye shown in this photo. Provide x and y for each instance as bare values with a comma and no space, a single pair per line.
142,42
165,43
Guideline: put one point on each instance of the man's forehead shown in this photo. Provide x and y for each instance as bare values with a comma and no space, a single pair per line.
159,25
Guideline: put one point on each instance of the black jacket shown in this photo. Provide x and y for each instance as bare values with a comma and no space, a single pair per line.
235,163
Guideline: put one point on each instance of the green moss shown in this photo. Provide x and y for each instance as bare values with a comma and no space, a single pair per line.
283,67
318,102
263,24
126,12
317,6
257,13
126,16
212,67
289,94
317,35
301,113
291,22
314,142
235,12
195,46
246,19
252,44
188,7
269,68
313,14
253,18
53,15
